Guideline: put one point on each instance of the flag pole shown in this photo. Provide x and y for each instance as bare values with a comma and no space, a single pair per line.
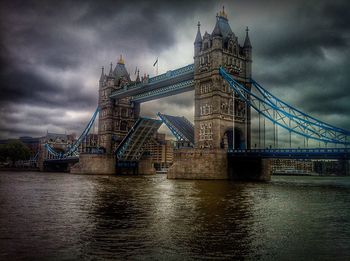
157,66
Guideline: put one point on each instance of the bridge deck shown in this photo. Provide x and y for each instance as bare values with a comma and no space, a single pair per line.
169,83
182,128
315,153
62,160
132,146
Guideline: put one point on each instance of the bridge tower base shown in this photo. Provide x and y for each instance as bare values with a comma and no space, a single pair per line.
94,164
249,169
192,163
146,166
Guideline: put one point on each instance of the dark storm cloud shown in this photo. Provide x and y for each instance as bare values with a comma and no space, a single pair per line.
23,86
51,53
67,36
304,57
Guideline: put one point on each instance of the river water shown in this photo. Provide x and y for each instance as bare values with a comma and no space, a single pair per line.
56,216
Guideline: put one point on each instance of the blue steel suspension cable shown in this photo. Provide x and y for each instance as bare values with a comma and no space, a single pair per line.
241,91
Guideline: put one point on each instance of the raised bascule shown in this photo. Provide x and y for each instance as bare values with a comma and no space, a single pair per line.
218,144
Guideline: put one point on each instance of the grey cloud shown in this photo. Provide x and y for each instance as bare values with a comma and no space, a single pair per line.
76,37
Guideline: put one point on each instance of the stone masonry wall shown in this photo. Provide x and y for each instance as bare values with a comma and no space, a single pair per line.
199,164
94,164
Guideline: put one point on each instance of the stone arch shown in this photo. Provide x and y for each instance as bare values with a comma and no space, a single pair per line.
234,139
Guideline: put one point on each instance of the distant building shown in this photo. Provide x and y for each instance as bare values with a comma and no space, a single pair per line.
32,143
89,143
292,166
161,151
59,142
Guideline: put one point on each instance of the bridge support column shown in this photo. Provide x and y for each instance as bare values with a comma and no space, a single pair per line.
146,166
191,163
94,164
249,169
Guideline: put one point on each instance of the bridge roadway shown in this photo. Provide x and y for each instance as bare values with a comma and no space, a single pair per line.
314,153
166,84
63,160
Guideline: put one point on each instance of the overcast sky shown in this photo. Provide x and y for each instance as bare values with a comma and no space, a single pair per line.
52,52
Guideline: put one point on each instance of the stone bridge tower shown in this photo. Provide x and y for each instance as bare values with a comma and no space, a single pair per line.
219,117
116,117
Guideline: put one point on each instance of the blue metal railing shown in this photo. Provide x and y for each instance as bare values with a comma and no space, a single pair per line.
311,153
72,150
162,77
278,112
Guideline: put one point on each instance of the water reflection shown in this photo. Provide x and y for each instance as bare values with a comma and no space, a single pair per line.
65,216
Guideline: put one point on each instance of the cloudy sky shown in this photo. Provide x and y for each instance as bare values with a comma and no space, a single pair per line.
52,52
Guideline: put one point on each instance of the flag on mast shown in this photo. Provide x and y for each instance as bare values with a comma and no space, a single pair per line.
156,62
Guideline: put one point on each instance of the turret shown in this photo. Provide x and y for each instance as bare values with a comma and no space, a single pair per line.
222,30
198,41
138,76
120,73
247,47
217,31
102,77
111,71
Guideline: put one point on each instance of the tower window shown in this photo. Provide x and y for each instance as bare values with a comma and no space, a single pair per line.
123,126
206,45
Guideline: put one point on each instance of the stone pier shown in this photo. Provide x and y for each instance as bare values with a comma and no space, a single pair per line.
190,163
94,164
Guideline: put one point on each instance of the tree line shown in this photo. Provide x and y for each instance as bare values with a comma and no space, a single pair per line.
13,151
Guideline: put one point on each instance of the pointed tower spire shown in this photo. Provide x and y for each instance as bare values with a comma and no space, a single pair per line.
222,13
138,76
102,74
111,70
217,30
247,43
121,60
198,39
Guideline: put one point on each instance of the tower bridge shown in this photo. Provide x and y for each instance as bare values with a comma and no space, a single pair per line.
219,141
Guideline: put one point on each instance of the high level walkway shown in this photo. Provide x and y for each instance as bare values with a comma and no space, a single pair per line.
166,84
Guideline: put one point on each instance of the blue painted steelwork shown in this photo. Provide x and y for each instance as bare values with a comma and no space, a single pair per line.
67,159
315,153
180,127
293,112
77,143
172,74
281,114
36,156
52,151
131,147
72,150
165,91
174,77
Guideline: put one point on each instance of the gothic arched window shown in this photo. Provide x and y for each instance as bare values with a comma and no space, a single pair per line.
123,126
123,112
235,50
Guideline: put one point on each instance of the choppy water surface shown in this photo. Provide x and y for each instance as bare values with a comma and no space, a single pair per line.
62,216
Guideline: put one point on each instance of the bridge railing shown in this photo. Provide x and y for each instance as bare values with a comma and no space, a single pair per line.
167,89
298,150
285,116
171,74
72,150
165,76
